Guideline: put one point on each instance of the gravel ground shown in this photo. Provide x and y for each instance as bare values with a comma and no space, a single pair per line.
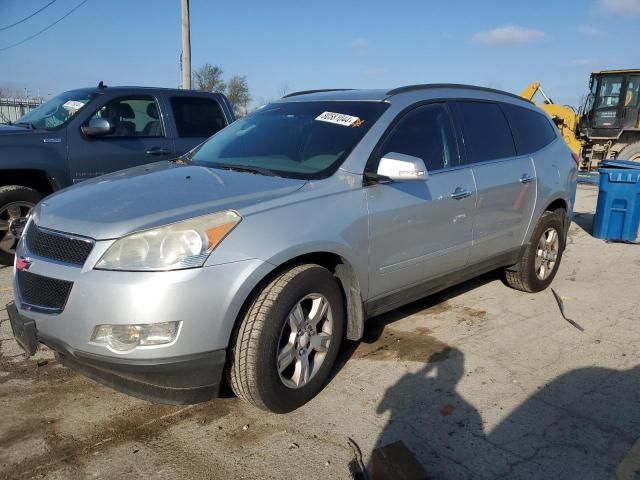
478,382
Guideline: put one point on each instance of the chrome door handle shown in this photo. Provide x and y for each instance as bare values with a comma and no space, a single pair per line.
460,193
526,178
157,151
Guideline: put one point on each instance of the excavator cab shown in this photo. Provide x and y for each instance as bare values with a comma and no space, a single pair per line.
612,104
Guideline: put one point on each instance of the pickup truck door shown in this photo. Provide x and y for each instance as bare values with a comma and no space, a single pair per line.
196,118
139,137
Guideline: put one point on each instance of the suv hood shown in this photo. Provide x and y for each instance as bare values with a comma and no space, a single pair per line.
144,197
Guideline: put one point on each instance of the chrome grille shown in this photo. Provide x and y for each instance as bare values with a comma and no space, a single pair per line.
58,246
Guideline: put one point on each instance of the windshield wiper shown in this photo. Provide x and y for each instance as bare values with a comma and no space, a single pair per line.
28,125
249,169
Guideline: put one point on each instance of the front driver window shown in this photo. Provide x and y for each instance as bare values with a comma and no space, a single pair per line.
135,116
426,133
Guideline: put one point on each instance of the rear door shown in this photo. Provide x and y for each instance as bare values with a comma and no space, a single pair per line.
420,230
139,137
196,118
505,181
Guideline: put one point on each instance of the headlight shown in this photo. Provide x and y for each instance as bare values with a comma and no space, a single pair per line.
181,245
123,338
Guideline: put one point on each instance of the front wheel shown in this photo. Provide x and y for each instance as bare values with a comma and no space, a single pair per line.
288,340
540,261
16,203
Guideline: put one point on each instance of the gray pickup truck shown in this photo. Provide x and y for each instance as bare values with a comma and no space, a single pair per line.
88,132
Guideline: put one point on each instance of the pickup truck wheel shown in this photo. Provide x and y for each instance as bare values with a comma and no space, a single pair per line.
539,263
287,343
16,203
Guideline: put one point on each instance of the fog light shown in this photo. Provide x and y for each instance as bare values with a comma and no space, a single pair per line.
123,338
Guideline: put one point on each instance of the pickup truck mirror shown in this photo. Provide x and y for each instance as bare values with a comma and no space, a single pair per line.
402,168
97,127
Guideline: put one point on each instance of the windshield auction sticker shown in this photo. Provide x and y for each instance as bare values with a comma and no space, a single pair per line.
339,119
72,105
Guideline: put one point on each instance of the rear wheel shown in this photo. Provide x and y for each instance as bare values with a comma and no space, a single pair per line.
16,203
540,261
288,340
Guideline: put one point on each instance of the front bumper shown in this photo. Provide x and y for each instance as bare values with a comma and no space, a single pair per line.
177,380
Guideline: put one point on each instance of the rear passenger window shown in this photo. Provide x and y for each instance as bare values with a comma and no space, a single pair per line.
426,133
487,135
197,116
532,130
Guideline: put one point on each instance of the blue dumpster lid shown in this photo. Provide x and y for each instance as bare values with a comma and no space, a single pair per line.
620,164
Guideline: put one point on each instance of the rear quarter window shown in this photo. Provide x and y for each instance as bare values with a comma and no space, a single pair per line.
486,132
532,130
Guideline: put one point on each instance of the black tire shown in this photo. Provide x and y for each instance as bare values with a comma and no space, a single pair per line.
252,372
522,276
10,194
630,152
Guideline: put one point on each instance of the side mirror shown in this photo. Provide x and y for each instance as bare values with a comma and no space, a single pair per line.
97,127
402,168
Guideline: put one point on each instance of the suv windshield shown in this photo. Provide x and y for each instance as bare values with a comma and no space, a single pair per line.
297,139
57,111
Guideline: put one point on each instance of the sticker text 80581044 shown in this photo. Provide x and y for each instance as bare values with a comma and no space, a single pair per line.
340,119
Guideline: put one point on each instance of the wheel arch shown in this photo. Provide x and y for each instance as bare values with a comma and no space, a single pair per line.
553,205
557,204
31,178
340,267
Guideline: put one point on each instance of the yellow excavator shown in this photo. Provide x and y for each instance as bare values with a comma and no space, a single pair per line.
608,122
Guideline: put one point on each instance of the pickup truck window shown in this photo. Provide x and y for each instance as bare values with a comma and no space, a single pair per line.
132,116
57,111
197,116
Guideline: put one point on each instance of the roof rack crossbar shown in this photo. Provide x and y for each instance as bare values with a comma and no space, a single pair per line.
410,88
305,92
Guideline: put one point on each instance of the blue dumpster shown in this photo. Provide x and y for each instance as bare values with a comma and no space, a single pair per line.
618,211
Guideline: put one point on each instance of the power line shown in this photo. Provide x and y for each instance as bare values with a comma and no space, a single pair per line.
27,18
46,28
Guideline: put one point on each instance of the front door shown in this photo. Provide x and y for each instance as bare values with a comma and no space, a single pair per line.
420,230
138,138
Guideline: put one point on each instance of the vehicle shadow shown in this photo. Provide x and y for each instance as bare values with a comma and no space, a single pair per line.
375,326
584,220
583,424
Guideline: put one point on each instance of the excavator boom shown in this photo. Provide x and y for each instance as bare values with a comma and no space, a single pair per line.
564,117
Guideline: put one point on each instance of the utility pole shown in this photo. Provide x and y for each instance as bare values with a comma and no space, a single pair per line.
186,46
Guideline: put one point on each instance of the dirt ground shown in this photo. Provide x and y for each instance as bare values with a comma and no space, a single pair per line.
480,381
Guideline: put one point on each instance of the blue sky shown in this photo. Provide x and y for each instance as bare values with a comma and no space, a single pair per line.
302,45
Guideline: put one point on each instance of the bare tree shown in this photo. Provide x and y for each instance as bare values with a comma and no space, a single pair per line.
283,89
11,92
208,78
238,94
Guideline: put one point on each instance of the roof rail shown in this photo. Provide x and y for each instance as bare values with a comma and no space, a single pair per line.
305,92
410,88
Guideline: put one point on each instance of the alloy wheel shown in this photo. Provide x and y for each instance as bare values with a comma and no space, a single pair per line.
13,219
547,253
304,340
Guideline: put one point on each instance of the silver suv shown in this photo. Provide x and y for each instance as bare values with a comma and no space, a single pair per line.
251,258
